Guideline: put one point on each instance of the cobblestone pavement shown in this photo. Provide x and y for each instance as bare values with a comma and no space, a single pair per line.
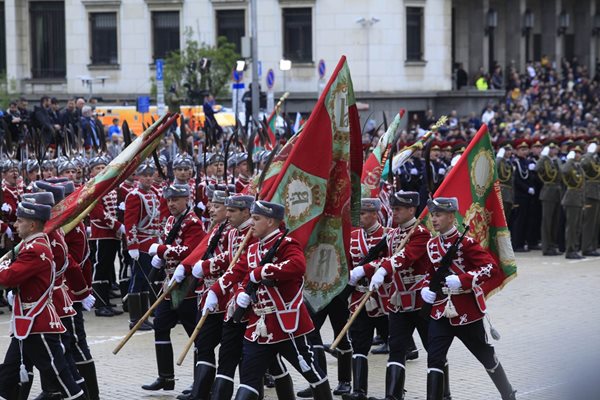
548,317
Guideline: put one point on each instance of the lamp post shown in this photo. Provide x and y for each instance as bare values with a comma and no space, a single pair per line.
284,65
240,66
368,23
491,24
255,87
528,24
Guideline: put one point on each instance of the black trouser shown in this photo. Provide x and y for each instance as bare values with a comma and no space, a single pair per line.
103,264
382,327
521,217
361,333
43,351
337,311
401,327
79,346
166,319
257,358
208,339
230,352
140,270
473,336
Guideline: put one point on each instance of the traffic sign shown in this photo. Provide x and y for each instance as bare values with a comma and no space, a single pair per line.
237,76
321,69
270,78
159,69
238,85
143,104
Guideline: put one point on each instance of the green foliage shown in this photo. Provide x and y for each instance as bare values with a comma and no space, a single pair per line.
182,69
4,95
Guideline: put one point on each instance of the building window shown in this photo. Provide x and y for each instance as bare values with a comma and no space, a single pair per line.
103,27
414,33
297,34
48,55
2,40
165,33
232,25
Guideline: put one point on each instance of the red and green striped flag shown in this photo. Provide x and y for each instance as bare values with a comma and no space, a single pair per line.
474,182
318,182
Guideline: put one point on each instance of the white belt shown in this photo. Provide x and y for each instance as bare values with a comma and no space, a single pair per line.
362,289
407,280
264,310
447,290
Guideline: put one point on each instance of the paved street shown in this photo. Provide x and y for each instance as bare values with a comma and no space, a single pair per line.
549,319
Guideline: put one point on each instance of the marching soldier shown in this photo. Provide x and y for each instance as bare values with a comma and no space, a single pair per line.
183,232
142,227
572,201
548,170
405,269
11,195
361,332
590,164
505,171
105,239
36,326
241,172
459,312
278,321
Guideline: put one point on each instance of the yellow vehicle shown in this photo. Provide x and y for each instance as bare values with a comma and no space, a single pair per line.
134,119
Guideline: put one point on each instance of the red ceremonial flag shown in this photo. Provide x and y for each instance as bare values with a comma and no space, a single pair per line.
318,183
474,182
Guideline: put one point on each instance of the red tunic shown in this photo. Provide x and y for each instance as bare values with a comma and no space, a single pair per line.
188,237
279,313
476,270
32,273
11,196
218,268
79,280
163,208
103,218
406,269
142,224
241,182
360,243
61,299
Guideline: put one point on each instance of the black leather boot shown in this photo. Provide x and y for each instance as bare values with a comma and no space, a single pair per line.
360,377
394,383
284,387
24,388
435,385
447,395
322,391
88,372
502,384
124,289
344,368
245,393
166,376
204,376
135,312
222,389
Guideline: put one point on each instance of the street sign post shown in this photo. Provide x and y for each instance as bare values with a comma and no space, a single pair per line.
160,87
270,95
321,70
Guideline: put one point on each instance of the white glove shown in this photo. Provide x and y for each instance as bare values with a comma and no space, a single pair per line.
243,300
153,249
135,254
453,282
88,231
122,206
179,274
442,171
531,166
500,153
414,171
88,302
571,155
454,160
253,277
122,229
531,191
10,297
197,270
427,295
210,303
545,151
356,275
9,233
592,148
157,262
6,208
377,279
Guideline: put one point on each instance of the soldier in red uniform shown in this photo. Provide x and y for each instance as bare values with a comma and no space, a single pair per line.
68,169
48,169
219,328
142,226
403,271
106,231
183,232
278,320
11,195
460,309
361,332
241,172
35,326
125,261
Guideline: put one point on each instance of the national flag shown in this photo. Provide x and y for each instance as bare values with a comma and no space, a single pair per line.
371,173
318,183
474,182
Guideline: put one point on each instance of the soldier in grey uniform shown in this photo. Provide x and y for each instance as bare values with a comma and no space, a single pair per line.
505,170
548,170
572,201
590,163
